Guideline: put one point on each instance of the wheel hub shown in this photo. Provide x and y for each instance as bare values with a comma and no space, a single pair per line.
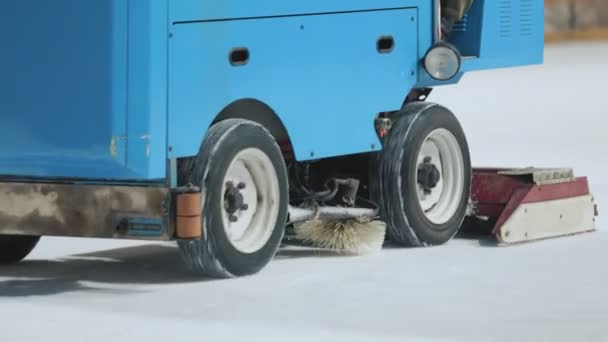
234,200
440,176
249,202
428,175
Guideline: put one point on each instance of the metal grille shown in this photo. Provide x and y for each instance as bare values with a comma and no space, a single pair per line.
462,25
505,16
526,14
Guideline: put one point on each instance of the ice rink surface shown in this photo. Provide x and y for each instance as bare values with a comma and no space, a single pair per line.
469,290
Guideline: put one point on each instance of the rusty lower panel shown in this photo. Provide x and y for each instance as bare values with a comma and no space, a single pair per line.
134,212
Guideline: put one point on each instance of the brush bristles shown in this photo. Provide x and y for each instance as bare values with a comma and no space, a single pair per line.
359,236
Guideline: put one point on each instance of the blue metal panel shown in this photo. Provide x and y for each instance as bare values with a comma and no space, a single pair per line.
512,34
59,110
147,121
81,83
197,10
189,11
320,73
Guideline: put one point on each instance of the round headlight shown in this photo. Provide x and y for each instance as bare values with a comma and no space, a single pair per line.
442,61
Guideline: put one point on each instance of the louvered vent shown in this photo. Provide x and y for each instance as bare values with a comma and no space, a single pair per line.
515,17
505,16
526,12
462,25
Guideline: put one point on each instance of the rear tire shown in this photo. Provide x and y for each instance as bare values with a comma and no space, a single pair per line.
14,248
425,174
243,180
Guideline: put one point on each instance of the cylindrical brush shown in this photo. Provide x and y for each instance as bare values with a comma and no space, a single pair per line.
348,236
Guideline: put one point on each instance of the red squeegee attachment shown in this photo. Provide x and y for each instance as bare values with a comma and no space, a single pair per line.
530,204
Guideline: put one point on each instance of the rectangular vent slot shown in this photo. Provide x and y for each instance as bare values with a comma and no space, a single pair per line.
526,17
462,25
505,18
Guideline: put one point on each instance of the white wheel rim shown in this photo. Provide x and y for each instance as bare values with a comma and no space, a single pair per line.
254,226
440,203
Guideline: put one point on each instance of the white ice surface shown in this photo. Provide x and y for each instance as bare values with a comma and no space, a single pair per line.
468,290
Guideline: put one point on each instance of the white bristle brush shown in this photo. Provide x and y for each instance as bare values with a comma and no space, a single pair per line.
354,236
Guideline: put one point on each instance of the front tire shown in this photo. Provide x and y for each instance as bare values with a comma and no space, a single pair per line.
14,248
425,176
243,180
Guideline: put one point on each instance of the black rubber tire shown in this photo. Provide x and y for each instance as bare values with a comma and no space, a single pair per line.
397,165
14,248
214,255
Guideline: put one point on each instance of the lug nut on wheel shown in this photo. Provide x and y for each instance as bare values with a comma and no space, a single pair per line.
234,200
428,175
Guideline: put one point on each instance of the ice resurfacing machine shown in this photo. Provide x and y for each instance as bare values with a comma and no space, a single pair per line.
233,126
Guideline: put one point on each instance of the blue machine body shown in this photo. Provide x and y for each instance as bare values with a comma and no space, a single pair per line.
114,90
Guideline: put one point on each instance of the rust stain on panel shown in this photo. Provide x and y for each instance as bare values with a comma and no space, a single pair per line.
77,210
